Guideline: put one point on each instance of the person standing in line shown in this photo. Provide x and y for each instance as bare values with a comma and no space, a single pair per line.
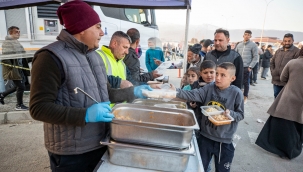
206,43
11,45
192,76
154,55
282,133
261,56
173,55
266,61
133,64
74,124
193,56
217,140
249,53
254,75
202,53
280,59
224,53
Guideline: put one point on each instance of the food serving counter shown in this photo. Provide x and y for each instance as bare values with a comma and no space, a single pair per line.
194,163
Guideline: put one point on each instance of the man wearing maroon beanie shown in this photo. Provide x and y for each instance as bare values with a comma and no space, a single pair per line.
74,125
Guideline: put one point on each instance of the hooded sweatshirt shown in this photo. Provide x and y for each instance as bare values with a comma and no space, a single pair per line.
230,98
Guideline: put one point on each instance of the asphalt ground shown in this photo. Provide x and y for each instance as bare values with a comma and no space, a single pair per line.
22,144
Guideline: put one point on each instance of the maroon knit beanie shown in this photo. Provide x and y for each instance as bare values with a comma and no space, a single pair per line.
77,16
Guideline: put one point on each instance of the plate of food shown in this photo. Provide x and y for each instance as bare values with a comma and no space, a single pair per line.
220,119
211,110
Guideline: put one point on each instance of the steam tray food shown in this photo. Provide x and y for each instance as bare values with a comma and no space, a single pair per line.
154,126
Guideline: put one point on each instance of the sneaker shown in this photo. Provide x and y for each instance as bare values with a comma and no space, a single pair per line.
245,99
263,78
1,99
21,107
253,84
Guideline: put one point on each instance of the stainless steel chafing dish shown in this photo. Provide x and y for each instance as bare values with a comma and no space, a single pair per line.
149,157
154,126
161,103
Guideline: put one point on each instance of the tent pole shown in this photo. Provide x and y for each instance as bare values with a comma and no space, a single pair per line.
186,38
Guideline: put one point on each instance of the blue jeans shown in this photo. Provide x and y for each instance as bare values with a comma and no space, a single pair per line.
277,89
264,72
254,73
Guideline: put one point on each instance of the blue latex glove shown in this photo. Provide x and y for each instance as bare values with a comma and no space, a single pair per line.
138,91
99,113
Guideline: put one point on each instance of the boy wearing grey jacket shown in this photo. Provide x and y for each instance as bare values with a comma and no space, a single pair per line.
217,140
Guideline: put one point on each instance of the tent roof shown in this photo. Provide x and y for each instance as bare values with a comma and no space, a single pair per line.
149,4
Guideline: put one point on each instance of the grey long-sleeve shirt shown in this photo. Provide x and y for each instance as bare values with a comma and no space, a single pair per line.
230,98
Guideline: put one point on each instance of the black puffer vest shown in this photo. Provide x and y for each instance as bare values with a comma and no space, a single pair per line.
86,70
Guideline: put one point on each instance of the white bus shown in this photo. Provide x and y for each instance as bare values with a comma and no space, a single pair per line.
40,25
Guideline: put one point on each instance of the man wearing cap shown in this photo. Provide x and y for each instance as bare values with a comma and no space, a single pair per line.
74,124
224,53
193,56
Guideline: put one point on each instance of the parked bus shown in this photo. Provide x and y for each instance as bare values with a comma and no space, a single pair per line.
39,26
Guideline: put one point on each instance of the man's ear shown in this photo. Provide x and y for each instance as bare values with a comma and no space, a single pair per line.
137,42
233,78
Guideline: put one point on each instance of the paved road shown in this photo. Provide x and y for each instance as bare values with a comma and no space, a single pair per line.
22,146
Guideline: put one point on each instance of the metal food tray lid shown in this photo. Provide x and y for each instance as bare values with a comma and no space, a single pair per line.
204,110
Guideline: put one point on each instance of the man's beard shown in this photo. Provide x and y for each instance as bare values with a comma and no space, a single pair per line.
193,60
287,46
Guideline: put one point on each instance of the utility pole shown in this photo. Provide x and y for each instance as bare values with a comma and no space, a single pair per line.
267,3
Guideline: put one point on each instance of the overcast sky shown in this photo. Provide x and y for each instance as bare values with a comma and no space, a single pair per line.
240,14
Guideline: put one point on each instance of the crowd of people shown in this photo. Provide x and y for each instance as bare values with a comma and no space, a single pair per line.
215,74
223,73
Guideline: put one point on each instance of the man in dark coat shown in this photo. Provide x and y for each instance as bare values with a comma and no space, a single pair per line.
266,61
280,59
224,53
11,45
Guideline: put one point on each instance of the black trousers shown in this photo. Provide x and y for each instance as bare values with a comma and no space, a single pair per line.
19,87
76,163
222,152
246,80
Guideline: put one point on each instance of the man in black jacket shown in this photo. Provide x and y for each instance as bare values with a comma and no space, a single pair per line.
133,64
224,53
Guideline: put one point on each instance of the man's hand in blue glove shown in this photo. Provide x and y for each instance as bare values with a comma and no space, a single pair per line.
99,113
138,91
